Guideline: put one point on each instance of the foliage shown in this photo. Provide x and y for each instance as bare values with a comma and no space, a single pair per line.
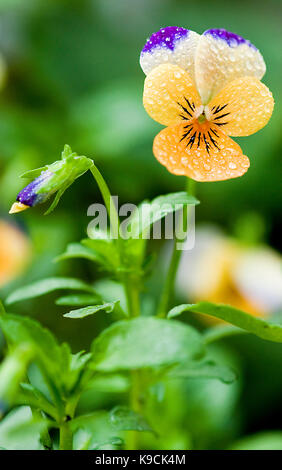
148,351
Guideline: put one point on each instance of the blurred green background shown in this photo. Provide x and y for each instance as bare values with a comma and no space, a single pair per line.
73,76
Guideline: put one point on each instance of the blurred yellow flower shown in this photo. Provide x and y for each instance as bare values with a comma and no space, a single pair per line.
223,270
14,251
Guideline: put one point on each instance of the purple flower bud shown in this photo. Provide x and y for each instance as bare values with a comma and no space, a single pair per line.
29,195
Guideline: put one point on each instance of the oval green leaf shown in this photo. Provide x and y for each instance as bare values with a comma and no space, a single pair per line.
78,300
44,286
204,370
145,342
261,328
90,310
123,418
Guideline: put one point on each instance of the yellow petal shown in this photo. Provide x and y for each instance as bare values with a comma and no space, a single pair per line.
170,95
205,154
243,107
18,207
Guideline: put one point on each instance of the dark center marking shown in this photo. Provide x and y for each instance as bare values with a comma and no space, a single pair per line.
187,109
209,136
217,110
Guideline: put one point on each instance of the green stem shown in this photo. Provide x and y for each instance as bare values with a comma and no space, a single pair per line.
168,289
66,436
110,206
135,404
133,301
132,296
131,287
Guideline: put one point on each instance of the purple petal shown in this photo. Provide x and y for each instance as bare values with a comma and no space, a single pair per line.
165,37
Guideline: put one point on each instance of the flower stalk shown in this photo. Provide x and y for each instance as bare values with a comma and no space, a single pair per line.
66,436
168,289
109,203
135,405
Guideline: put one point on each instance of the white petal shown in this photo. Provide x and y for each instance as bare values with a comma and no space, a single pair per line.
222,56
171,45
258,275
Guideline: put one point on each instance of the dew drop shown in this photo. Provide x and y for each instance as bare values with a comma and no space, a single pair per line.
232,166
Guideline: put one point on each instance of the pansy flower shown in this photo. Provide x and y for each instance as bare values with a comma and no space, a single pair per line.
205,88
51,179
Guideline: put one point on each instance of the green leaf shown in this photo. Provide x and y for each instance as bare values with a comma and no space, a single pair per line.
145,342
124,419
84,441
38,378
77,250
86,311
32,174
261,328
62,367
20,431
72,374
220,332
78,300
98,429
19,329
148,213
12,372
110,291
32,396
56,199
207,370
79,360
109,383
269,440
104,250
67,152
133,253
44,286
178,310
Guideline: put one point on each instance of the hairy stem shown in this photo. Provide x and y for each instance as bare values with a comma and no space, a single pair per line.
168,289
